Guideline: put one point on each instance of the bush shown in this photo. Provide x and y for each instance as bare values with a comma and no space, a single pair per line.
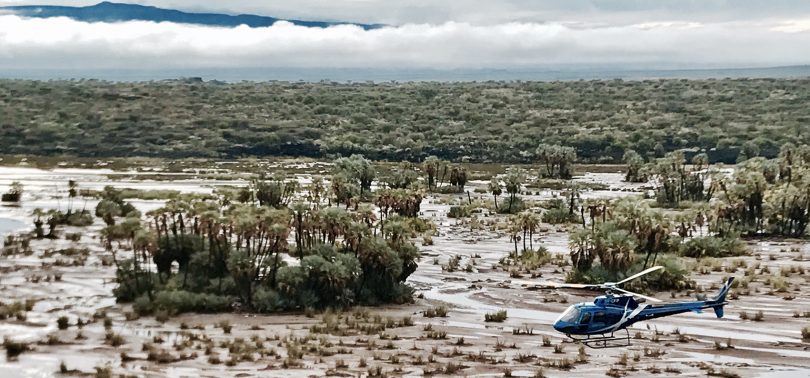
10,197
14,348
63,322
533,259
74,237
267,300
14,193
559,215
129,288
518,205
113,339
79,219
498,316
458,212
712,246
179,301
806,333
673,277
439,311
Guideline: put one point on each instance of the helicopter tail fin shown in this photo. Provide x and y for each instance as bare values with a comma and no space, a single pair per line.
719,301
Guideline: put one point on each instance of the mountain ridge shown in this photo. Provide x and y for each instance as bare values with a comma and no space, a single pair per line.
120,12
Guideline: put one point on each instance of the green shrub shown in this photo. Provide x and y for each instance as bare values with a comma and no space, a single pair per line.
673,277
559,215
438,311
518,205
142,305
74,237
14,193
533,259
498,316
131,286
113,339
14,348
712,246
179,301
63,322
458,212
267,300
10,197
79,219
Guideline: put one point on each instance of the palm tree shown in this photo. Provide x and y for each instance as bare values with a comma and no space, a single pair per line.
315,191
38,223
107,210
358,169
558,160
431,168
515,227
356,232
300,211
144,245
334,222
532,222
344,190
365,213
458,178
618,256
573,197
495,189
514,182
635,167
581,244
73,191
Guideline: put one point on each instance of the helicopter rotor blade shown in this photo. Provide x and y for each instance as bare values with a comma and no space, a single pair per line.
651,299
581,286
554,285
639,274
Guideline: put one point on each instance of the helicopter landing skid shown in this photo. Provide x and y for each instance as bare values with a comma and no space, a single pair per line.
604,340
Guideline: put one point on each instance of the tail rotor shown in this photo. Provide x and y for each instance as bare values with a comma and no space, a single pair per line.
719,300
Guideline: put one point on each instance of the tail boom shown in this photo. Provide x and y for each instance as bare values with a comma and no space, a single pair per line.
656,311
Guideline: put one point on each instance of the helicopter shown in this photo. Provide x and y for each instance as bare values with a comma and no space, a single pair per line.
596,324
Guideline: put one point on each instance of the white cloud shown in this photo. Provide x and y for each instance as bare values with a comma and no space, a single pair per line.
793,26
60,43
604,12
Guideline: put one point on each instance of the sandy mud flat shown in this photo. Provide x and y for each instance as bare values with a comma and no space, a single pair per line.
460,344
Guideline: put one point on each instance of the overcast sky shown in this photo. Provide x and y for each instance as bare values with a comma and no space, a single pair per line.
428,34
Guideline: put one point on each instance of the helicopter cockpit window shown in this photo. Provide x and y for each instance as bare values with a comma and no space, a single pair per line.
586,318
571,315
599,317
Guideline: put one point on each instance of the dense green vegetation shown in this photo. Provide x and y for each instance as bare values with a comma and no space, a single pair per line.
491,121
761,197
207,254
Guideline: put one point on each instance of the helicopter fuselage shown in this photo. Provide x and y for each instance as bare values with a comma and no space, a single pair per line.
610,313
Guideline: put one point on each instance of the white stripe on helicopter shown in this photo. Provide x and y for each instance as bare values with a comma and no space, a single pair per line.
628,315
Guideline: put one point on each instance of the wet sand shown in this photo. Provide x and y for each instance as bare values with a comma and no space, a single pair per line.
683,345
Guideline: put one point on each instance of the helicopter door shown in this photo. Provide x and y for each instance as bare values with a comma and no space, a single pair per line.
584,320
599,320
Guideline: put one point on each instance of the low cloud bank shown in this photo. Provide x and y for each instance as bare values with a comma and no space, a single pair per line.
61,43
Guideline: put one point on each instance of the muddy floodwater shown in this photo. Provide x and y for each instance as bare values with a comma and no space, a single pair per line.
684,345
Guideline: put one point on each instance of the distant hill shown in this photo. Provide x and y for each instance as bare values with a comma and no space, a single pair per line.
117,12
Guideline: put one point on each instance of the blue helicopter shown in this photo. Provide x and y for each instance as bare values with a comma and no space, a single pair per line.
596,324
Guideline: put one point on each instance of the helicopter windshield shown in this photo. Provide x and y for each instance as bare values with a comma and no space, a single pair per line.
571,315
